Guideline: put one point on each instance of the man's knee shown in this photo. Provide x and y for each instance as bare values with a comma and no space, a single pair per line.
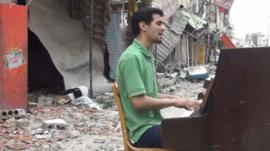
151,138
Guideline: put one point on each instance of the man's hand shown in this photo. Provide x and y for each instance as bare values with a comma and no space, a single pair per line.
187,104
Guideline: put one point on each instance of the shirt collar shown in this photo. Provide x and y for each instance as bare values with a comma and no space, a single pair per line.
140,46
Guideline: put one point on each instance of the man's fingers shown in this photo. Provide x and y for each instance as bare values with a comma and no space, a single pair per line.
194,105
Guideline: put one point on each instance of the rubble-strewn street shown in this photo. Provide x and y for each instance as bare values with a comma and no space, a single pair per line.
59,59
54,126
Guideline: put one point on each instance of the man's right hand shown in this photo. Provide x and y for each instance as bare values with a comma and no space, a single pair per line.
187,104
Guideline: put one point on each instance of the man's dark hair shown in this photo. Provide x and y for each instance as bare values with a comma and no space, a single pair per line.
144,14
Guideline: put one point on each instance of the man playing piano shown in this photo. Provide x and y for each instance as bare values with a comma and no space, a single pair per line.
136,78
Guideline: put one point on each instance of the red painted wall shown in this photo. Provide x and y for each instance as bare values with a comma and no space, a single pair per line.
13,56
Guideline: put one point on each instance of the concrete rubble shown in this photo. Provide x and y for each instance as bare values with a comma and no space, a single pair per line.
52,126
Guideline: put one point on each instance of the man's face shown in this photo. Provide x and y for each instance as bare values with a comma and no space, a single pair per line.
156,29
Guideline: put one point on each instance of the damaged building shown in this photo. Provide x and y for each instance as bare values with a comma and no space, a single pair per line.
60,46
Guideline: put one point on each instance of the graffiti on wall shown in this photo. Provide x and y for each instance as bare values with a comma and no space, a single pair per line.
14,58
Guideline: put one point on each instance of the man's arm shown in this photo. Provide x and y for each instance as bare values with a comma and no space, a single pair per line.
146,102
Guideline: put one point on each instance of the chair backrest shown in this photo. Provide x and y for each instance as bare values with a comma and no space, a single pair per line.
121,115
128,146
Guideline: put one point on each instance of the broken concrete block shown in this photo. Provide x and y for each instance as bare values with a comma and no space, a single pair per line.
56,123
12,113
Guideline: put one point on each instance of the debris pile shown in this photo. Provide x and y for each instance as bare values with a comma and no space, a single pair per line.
54,123
62,127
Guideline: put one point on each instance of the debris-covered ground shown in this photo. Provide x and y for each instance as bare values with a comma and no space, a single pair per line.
54,125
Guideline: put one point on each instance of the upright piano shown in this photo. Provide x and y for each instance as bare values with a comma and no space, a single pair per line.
236,116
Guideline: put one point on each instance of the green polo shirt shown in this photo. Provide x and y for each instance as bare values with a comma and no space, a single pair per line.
136,75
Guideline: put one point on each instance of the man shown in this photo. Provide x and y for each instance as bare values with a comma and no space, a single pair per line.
136,78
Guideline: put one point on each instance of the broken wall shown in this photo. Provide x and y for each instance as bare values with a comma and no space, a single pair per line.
67,42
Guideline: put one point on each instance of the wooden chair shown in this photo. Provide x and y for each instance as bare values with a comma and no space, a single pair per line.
128,146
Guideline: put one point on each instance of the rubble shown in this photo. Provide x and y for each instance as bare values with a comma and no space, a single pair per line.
45,101
12,113
56,123
2,146
53,126
74,134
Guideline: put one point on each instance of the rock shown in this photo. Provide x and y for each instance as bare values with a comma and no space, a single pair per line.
16,145
35,122
36,131
56,123
108,103
183,75
99,140
45,136
24,124
94,106
45,101
161,75
108,94
173,75
77,117
74,134
32,104
12,122
90,124
32,97
165,82
57,146
121,149
101,99
62,100
100,124
2,145
46,146
172,89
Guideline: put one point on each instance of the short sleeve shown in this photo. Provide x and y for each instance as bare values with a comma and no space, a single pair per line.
132,77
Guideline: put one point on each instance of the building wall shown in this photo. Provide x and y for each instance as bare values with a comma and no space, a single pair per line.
67,42
199,51
181,53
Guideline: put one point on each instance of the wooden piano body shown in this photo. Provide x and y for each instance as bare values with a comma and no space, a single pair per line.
237,114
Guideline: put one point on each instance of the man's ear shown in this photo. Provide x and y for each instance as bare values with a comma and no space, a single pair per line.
142,26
